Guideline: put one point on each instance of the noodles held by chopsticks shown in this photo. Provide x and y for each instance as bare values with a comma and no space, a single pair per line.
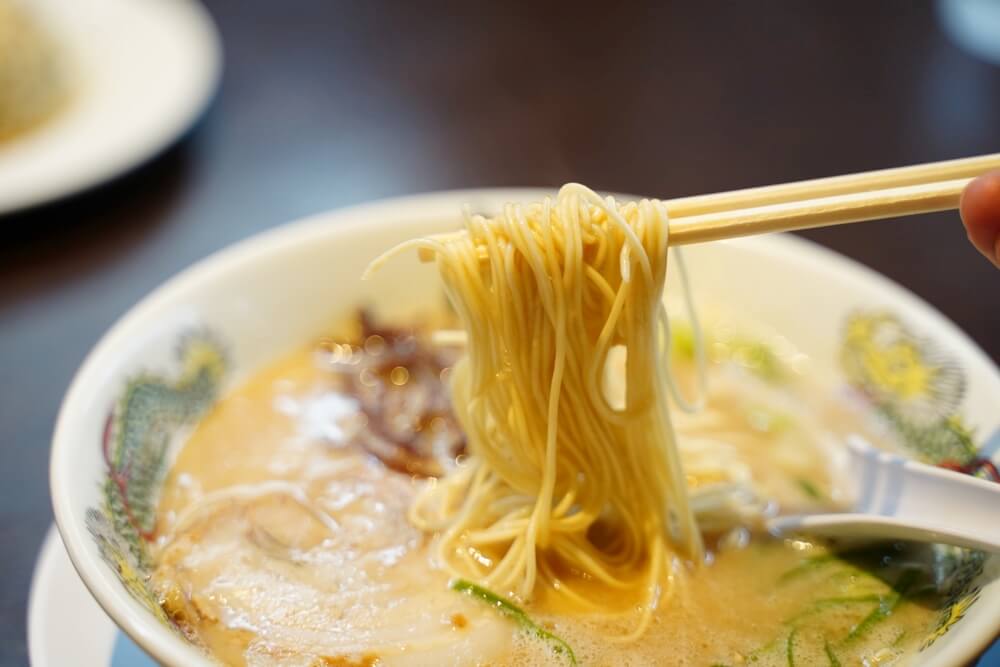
558,480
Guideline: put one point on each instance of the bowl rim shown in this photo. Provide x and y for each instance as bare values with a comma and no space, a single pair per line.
169,648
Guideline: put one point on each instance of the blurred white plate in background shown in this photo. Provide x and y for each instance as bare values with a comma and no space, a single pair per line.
143,70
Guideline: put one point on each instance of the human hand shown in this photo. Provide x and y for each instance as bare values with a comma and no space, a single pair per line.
980,210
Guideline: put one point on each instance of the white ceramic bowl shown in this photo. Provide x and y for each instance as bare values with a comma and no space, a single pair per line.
229,315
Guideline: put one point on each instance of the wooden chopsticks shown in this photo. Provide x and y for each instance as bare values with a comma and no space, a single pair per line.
931,172
887,193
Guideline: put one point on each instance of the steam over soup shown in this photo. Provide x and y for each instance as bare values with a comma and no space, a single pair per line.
284,537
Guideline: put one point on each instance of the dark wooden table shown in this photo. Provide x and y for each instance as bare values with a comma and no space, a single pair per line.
330,103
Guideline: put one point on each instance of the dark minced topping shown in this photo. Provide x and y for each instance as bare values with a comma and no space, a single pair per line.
400,382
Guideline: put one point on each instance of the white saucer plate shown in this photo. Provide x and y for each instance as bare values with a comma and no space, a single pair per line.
65,625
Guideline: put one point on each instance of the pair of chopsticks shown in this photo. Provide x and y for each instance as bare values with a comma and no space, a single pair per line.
887,193
872,195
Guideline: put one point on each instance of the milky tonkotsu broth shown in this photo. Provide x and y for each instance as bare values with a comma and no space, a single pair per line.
282,539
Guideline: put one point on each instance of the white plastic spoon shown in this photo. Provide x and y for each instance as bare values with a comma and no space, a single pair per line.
899,499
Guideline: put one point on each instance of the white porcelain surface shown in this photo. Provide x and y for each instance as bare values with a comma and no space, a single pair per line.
288,286
895,498
143,70
66,626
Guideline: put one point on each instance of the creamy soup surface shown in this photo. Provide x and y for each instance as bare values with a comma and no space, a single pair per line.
283,536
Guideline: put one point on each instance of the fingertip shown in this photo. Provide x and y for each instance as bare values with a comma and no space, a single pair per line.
980,211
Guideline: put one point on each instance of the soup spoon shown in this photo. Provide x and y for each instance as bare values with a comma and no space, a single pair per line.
890,497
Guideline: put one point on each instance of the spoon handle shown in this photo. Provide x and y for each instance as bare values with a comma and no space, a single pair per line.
896,498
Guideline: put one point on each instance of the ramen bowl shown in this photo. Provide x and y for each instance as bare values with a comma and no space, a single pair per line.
162,366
